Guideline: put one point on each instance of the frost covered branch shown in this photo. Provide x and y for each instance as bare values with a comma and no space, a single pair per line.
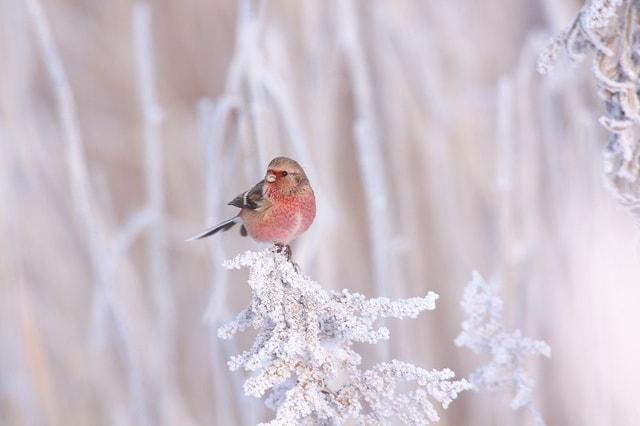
152,122
368,144
609,29
484,332
303,360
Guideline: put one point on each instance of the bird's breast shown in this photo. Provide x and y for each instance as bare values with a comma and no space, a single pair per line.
284,221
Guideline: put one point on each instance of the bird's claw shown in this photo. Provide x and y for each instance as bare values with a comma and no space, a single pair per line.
284,249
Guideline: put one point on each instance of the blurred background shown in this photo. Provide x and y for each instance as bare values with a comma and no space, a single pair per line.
434,148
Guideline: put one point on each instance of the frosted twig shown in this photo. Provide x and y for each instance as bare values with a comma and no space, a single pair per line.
170,400
242,83
152,121
598,13
76,159
133,228
483,331
212,120
303,360
246,63
367,141
610,30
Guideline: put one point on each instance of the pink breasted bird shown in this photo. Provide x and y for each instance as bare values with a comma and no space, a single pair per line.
277,209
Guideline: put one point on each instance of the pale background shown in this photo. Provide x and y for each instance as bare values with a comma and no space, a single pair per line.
433,145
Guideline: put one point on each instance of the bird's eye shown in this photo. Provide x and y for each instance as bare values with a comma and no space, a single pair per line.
284,174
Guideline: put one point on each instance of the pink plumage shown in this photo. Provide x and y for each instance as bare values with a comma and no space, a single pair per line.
285,221
278,209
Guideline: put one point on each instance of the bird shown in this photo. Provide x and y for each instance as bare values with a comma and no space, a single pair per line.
278,209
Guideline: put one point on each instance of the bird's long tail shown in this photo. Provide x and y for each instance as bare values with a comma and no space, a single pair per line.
223,226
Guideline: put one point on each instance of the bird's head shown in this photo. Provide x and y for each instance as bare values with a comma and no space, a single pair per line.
285,176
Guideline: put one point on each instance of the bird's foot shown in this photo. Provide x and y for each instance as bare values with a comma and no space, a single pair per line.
278,247
284,249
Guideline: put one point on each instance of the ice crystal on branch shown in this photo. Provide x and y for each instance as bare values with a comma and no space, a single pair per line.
610,30
484,331
302,358
599,13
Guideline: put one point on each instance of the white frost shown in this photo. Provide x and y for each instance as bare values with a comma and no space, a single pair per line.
609,29
484,331
302,357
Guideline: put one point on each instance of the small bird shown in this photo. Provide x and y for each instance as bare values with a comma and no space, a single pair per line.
277,209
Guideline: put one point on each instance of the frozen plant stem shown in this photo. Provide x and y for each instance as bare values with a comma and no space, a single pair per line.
367,141
303,361
152,121
81,195
244,74
212,120
65,106
158,259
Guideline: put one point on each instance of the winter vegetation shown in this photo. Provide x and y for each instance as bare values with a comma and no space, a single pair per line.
483,331
303,354
127,126
610,30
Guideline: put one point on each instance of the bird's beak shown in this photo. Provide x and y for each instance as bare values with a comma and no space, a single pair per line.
271,178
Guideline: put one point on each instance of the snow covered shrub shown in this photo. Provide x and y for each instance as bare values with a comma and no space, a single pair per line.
483,331
609,29
303,360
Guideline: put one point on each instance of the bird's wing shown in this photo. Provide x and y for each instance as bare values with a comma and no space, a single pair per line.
251,199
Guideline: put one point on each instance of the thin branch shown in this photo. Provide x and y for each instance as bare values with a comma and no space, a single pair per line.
76,158
367,141
152,116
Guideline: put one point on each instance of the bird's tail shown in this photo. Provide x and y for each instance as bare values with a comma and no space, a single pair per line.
223,226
